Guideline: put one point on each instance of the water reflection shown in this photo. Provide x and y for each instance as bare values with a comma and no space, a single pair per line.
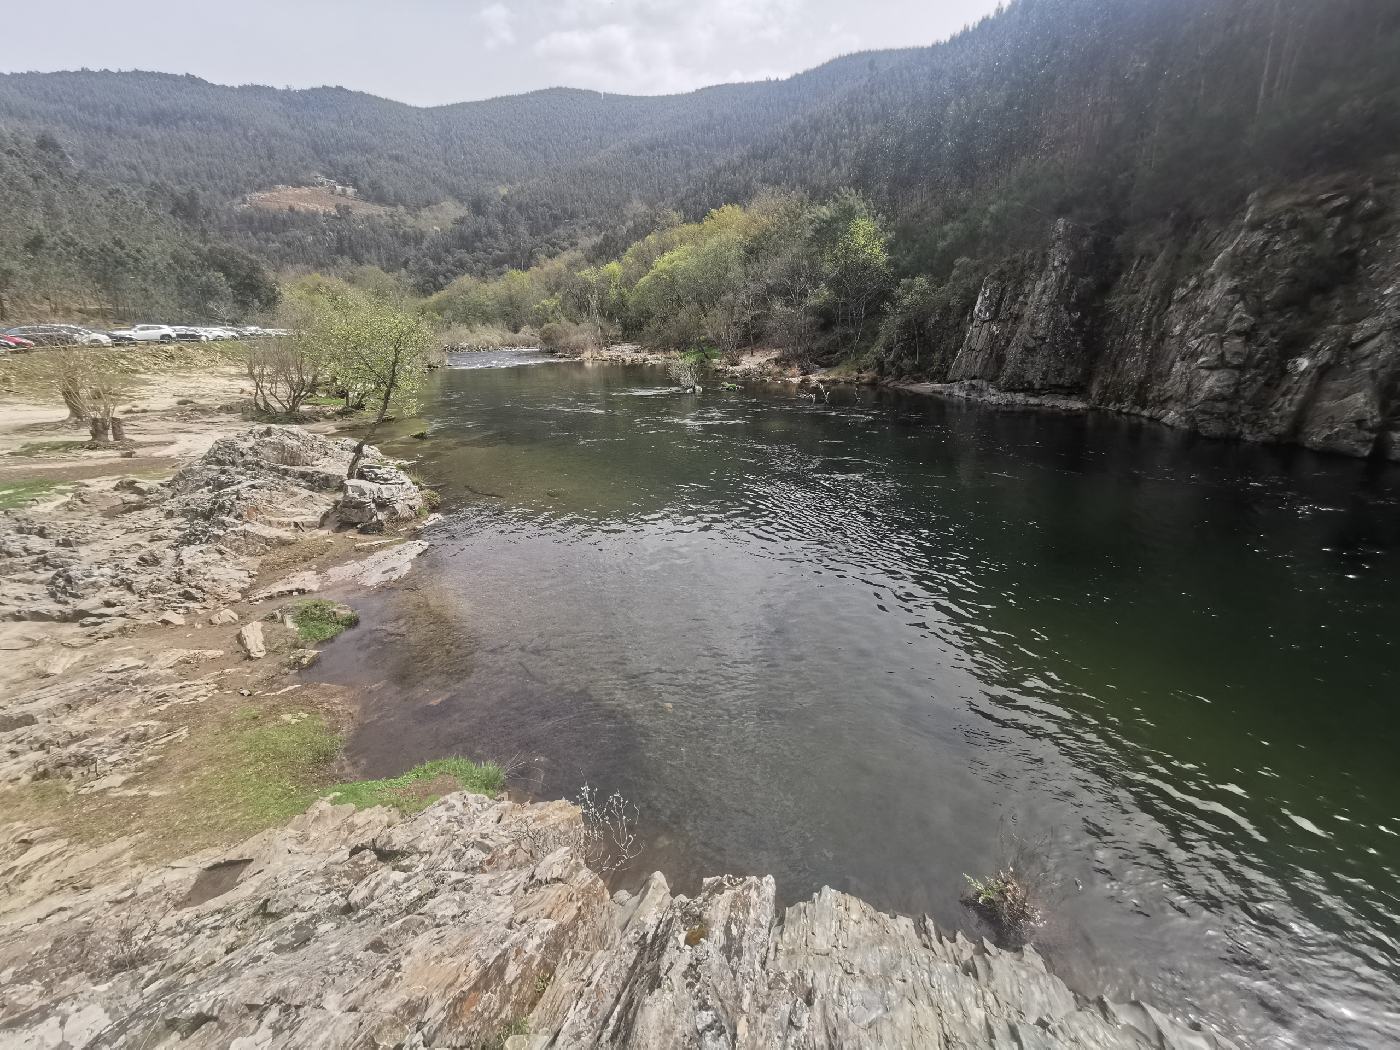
860,644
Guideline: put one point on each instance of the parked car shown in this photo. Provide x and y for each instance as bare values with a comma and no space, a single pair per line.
14,342
147,333
120,340
191,335
59,335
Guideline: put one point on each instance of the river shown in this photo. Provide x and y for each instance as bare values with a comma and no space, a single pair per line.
887,641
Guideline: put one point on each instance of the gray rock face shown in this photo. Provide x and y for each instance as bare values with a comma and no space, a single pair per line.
1283,326
1028,330
255,490
379,494
465,923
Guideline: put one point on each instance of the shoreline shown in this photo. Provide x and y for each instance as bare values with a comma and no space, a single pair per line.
126,703
764,364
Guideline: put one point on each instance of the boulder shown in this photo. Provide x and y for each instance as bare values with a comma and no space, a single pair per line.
250,637
379,494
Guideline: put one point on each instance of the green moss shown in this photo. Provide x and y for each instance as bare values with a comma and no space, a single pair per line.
17,493
319,620
423,785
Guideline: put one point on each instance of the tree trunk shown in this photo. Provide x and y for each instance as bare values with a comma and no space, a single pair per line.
360,447
389,388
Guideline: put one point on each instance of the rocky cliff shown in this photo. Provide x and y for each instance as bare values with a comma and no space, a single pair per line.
1281,326
475,923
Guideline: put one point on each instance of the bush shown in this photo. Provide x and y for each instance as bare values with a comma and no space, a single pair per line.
566,337
284,375
1005,901
692,368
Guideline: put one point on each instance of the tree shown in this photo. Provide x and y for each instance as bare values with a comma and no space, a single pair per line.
370,345
855,257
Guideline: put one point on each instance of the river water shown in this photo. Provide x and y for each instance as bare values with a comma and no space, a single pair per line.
885,641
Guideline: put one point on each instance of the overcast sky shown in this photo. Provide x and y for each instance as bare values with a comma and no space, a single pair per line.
434,51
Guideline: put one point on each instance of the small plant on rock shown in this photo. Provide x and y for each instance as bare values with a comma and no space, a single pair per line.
1011,901
1004,901
605,838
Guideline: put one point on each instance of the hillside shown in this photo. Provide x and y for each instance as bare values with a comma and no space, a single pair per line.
75,246
1138,119
163,129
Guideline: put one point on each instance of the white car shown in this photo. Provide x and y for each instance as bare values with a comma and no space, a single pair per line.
146,333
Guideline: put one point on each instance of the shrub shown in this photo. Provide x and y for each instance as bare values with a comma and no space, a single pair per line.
566,337
692,368
284,375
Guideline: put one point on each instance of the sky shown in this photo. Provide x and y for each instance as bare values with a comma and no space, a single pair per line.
429,52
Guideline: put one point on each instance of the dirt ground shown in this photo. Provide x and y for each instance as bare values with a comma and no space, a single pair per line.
207,745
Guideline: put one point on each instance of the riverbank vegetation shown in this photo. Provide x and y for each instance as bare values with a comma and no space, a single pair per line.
783,270
422,785
318,620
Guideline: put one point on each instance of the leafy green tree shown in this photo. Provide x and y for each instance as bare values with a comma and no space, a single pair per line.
855,257
376,348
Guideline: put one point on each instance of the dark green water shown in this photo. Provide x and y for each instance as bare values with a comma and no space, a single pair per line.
871,644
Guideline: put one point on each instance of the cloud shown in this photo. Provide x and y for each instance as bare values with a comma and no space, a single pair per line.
657,46
499,31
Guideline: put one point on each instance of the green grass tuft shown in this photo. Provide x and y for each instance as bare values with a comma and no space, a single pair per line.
319,620
15,494
423,785
274,761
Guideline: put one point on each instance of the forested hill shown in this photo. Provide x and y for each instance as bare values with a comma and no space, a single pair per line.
1132,118
163,129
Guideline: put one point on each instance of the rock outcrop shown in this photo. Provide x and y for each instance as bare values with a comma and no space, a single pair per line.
1283,326
191,544
474,923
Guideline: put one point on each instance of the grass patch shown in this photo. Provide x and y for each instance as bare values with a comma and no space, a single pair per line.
244,767
273,764
319,620
15,494
423,785
36,448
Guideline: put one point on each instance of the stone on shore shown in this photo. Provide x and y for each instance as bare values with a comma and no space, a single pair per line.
250,637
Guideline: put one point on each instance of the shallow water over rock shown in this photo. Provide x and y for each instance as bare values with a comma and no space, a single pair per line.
876,643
